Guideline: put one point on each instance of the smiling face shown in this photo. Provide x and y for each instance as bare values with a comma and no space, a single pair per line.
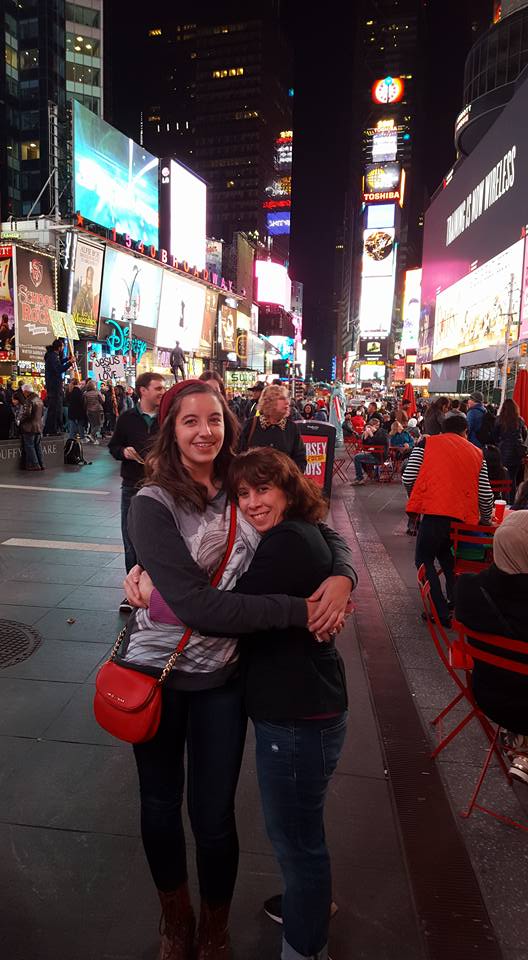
199,429
263,506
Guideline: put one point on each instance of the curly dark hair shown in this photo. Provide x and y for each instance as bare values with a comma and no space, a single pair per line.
266,465
163,465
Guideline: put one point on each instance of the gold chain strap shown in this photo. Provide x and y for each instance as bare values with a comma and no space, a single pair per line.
118,643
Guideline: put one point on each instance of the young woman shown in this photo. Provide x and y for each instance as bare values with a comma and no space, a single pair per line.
179,529
510,437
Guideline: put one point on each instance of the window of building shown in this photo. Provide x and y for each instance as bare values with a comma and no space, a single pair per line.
80,73
155,32
29,120
83,15
29,59
30,150
231,72
11,57
28,29
88,46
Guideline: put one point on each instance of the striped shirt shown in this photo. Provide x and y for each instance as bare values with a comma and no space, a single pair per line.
485,493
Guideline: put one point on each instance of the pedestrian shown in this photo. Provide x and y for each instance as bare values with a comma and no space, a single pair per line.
177,361
6,418
373,436
447,479
94,406
132,438
496,471
77,420
179,524
475,416
358,421
254,395
402,415
320,412
55,367
31,429
511,438
434,417
214,380
273,427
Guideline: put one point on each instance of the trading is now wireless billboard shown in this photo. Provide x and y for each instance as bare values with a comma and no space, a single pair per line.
115,180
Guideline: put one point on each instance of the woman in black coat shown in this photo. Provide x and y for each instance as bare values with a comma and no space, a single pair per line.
494,601
510,437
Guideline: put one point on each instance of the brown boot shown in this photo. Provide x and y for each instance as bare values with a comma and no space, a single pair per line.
213,935
177,924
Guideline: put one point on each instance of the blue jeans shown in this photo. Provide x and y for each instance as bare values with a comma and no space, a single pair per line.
32,449
212,725
362,458
130,554
75,427
434,543
295,761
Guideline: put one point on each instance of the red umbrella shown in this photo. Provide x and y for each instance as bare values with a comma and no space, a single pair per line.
520,393
408,394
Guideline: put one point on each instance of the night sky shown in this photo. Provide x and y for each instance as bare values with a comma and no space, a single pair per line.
323,119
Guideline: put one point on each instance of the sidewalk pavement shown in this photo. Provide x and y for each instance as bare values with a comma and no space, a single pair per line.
74,879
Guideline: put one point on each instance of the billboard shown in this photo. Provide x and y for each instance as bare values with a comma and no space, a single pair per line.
131,289
35,297
373,349
384,146
209,322
273,283
284,345
382,182
374,372
115,180
381,215
181,314
7,300
411,308
183,211
213,256
378,252
473,313
278,222
227,328
84,287
375,308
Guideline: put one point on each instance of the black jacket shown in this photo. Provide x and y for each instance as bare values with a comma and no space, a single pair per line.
132,431
288,674
511,444
54,369
378,439
76,408
502,696
288,440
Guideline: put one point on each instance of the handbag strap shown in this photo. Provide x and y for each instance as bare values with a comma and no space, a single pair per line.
215,580
500,616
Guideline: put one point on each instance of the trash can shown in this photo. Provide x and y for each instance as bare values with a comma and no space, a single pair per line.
319,439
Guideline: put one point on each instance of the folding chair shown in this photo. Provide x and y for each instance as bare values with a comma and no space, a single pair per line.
397,464
472,547
501,489
352,446
497,651
339,468
375,467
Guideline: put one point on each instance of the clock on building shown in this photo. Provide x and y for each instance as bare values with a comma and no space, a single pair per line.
388,90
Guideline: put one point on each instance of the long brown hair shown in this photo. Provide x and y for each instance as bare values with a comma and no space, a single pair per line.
163,465
509,416
266,465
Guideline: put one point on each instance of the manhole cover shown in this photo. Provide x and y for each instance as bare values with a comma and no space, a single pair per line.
17,642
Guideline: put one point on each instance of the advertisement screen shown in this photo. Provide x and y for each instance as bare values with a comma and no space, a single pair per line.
284,345
382,182
7,302
384,146
255,352
378,252
375,372
213,256
278,222
185,195
115,180
411,308
209,321
131,289
35,297
373,349
273,283
181,315
85,288
381,215
227,328
473,313
375,310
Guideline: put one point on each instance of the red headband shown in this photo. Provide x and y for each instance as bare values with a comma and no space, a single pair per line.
168,397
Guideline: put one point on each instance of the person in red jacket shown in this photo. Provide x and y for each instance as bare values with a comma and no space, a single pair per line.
447,479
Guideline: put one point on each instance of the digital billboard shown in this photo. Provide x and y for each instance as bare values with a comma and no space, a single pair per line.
411,309
273,283
181,315
382,182
384,145
115,180
227,328
284,345
371,349
84,287
278,222
375,372
213,256
131,289
381,215
183,212
473,313
378,252
375,309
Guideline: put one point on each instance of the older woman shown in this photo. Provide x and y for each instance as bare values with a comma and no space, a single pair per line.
272,426
494,601
400,440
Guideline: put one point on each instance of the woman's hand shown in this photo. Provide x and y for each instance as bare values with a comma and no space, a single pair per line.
131,584
327,606
145,588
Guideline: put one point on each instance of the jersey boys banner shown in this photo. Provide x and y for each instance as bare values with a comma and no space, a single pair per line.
35,297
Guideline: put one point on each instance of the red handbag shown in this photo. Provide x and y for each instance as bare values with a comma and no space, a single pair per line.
127,703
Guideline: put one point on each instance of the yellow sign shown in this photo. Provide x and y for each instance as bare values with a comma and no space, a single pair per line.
63,325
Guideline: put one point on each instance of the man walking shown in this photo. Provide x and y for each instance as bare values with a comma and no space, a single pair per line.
476,414
130,442
177,361
447,479
55,367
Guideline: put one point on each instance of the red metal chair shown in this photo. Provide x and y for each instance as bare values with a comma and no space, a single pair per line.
471,535
352,446
373,467
502,488
340,465
497,651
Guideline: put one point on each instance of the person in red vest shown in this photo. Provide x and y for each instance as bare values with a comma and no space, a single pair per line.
446,478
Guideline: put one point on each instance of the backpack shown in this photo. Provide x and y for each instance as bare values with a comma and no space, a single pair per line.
73,453
486,430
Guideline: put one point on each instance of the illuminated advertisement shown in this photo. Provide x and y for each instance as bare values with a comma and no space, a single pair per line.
384,146
255,352
281,187
115,180
273,283
278,223
388,90
378,252
131,289
348,367
183,206
227,328
373,349
373,372
284,345
84,289
411,309
382,182
213,256
473,313
375,309
181,315
35,297
381,215
209,321
7,302
283,153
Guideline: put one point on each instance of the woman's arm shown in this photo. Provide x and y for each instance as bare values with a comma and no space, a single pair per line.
186,588
341,553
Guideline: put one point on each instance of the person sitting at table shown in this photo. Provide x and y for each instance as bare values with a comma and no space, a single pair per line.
496,471
357,420
521,497
400,440
373,436
494,601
